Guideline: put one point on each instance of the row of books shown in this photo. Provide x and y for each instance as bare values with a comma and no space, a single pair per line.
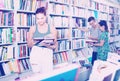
82,54
73,2
23,51
114,32
114,38
7,4
111,24
113,48
114,18
29,5
64,10
14,66
63,45
78,43
103,8
113,10
78,11
78,22
80,3
103,16
93,13
59,9
6,35
22,35
29,19
7,52
59,21
61,1
6,18
61,57
26,19
76,33
62,33
94,5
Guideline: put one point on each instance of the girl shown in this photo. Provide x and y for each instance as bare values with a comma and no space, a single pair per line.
41,56
103,43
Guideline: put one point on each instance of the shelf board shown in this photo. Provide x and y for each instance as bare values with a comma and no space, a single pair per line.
23,27
91,9
79,48
4,61
62,27
62,15
24,42
5,44
74,38
74,16
26,11
62,39
6,26
57,2
5,9
61,51
82,7
103,12
27,57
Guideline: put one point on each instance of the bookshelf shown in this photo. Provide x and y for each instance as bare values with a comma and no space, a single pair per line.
16,17
58,12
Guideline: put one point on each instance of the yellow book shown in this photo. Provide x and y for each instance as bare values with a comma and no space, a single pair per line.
33,5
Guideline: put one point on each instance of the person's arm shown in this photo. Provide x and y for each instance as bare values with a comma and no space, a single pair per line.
30,40
53,35
82,29
93,38
100,44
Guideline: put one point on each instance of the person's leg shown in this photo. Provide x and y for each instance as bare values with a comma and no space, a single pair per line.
94,57
47,60
34,58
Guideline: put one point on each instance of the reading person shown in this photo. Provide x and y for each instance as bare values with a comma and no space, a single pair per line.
103,43
94,35
41,56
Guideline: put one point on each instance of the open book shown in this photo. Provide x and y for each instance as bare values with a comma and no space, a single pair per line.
44,40
91,41
48,41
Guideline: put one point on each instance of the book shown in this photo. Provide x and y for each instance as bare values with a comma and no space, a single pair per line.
38,40
48,41
44,40
91,41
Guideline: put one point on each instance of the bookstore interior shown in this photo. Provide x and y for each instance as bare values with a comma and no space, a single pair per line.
70,30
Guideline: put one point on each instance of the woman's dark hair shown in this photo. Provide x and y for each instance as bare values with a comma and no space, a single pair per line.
91,18
41,10
104,23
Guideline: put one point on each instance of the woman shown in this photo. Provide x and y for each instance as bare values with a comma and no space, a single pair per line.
41,56
103,43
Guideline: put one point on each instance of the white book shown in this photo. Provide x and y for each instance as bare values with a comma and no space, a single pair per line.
10,52
58,9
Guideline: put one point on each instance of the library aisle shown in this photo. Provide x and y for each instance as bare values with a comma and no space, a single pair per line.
73,55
